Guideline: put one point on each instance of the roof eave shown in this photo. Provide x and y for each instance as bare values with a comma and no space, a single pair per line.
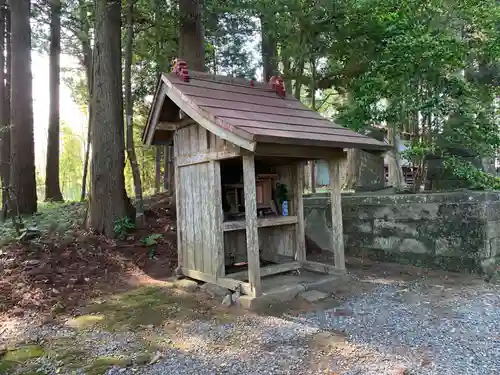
372,147
149,129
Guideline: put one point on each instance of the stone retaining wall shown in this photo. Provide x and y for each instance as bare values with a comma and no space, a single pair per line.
444,230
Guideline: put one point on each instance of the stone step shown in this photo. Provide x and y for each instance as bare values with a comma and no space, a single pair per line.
313,295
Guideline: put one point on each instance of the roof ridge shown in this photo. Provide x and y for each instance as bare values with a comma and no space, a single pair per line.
226,79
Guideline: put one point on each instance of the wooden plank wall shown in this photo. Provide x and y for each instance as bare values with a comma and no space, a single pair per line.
199,216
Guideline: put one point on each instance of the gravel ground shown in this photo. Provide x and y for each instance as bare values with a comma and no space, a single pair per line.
400,328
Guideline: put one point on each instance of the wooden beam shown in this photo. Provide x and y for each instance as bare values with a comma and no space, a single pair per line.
300,247
204,157
264,222
297,151
322,268
269,270
224,282
172,126
336,206
216,126
158,104
252,229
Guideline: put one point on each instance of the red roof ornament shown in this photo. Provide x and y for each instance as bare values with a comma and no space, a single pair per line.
278,85
180,68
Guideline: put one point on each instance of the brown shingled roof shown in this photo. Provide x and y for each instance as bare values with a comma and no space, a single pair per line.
257,114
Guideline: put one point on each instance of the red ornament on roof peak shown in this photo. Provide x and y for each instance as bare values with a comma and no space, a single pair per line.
278,85
180,68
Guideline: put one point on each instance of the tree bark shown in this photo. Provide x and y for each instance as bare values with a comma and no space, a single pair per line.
395,172
22,136
52,187
298,78
129,111
4,118
158,170
166,168
191,34
108,198
87,64
353,165
269,47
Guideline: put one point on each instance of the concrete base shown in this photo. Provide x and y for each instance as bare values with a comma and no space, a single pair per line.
283,288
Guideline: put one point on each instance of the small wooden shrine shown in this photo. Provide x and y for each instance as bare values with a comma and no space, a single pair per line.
239,147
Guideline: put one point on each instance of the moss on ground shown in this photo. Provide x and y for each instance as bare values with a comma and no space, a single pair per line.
100,365
147,306
17,356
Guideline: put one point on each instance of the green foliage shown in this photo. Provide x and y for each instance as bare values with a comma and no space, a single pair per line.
152,239
412,65
71,164
122,227
51,219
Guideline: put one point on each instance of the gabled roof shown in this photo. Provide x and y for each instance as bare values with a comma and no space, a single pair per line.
244,115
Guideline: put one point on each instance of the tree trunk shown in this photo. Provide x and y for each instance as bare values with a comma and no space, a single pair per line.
129,111
158,170
269,47
108,198
353,165
166,168
287,73
191,34
395,172
88,62
313,84
52,188
298,78
22,138
4,94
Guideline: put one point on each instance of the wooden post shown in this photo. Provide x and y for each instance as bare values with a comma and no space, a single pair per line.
337,228
300,252
179,209
166,169
252,231
214,181
313,176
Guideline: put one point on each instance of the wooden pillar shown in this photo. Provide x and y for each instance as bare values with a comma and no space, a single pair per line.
313,176
178,209
166,169
300,249
252,230
216,218
337,228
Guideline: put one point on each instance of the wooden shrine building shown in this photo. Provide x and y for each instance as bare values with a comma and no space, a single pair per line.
238,153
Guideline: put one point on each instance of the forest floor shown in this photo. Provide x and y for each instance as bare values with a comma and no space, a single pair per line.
74,302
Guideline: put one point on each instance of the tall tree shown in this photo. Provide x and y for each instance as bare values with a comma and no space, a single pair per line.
269,46
108,198
52,187
4,95
129,110
22,138
191,34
